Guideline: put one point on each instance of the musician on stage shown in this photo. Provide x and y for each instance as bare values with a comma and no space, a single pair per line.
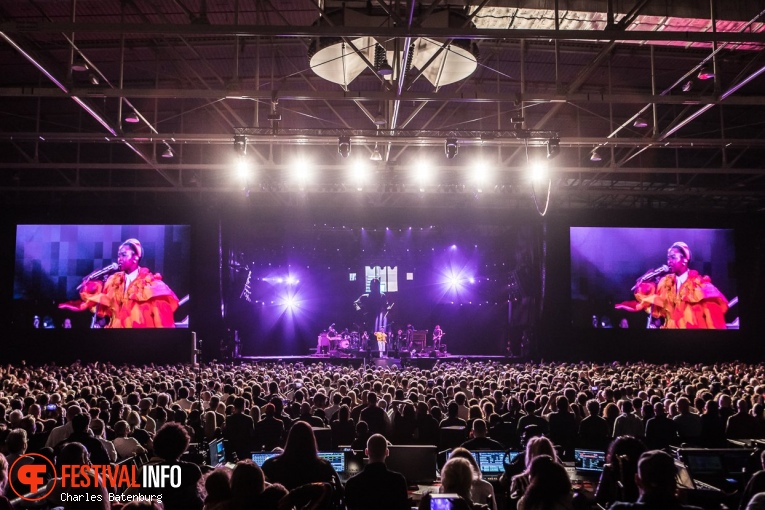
133,297
684,298
437,334
381,340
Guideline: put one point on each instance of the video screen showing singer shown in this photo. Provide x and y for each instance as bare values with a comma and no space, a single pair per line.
682,298
132,297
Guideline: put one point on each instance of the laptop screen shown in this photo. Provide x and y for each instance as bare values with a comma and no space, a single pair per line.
337,459
704,464
217,452
589,460
491,461
260,457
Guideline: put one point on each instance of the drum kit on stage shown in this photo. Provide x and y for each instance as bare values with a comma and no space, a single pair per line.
342,342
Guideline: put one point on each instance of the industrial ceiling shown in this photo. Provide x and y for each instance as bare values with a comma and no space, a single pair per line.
638,104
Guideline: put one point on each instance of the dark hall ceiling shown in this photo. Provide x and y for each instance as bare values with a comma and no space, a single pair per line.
200,73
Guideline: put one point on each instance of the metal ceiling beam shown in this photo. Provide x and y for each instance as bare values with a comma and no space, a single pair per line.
377,95
341,169
433,138
383,32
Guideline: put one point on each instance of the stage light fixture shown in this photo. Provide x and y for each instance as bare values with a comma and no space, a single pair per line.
640,122
240,145
376,155
344,146
595,155
132,118
705,73
553,148
79,65
687,86
168,153
93,79
451,148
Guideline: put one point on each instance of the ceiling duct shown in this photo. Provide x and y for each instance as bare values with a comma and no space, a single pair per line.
338,61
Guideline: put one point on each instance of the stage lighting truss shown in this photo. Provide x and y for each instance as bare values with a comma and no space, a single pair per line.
451,140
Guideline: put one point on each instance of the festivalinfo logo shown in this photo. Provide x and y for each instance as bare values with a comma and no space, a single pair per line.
30,479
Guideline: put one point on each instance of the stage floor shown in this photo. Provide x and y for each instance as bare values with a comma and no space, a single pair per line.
418,361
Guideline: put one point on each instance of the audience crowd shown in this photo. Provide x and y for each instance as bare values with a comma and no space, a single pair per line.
102,413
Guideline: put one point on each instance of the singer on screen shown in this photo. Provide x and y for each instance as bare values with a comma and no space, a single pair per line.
132,297
682,297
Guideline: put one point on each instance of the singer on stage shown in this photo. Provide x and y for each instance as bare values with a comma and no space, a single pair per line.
133,297
684,299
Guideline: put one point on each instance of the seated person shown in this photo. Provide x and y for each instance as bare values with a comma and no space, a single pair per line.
657,481
456,478
376,488
549,486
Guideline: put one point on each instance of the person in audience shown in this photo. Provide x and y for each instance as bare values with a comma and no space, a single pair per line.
688,422
549,486
91,493
170,443
218,489
376,487
343,428
239,430
16,447
126,446
617,481
299,464
660,431
374,415
593,429
362,436
479,438
563,426
535,447
61,432
133,297
657,481
81,434
97,426
742,425
481,491
712,426
4,503
755,485
268,432
628,423
457,478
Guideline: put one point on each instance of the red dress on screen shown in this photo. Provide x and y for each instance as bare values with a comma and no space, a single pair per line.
148,302
697,305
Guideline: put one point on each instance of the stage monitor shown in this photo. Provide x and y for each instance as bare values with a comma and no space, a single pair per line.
621,276
53,263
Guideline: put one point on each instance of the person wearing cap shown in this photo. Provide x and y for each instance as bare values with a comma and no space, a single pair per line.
684,298
133,297
657,483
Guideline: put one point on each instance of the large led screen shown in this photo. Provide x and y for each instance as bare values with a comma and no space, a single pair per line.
56,263
291,285
655,278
